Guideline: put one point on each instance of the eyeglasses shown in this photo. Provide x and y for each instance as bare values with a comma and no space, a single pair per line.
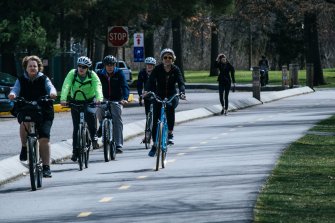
82,67
167,57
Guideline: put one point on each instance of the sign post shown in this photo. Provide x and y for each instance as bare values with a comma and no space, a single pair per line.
117,36
138,47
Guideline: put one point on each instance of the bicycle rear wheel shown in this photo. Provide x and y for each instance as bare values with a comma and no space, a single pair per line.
148,131
106,140
32,162
159,145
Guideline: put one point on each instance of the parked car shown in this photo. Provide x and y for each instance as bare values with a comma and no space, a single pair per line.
6,82
120,64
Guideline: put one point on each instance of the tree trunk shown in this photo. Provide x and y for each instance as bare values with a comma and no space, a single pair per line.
149,43
214,49
312,51
177,43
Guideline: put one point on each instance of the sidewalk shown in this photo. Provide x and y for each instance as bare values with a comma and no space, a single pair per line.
12,168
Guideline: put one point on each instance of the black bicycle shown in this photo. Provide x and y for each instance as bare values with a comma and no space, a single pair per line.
84,141
148,127
30,113
107,132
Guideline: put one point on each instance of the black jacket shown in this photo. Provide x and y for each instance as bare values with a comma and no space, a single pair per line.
225,69
164,83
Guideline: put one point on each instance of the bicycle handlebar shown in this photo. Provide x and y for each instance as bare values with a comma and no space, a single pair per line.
165,100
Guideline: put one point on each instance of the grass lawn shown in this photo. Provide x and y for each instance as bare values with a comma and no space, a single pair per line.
244,77
302,185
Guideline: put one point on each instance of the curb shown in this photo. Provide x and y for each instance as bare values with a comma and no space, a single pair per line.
11,168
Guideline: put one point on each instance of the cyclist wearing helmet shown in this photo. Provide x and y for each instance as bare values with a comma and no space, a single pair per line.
32,85
162,81
143,76
115,88
87,81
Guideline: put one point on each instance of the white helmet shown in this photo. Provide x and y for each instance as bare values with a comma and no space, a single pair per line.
150,60
168,50
84,61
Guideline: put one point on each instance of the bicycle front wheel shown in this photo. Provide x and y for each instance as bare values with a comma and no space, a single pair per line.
32,162
148,131
159,145
80,147
164,144
106,140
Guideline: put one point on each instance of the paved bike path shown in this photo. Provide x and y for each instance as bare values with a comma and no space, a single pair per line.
12,168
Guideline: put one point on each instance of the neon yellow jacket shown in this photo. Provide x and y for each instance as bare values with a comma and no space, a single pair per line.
91,86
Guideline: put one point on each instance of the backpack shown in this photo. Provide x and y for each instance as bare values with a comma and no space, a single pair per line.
82,84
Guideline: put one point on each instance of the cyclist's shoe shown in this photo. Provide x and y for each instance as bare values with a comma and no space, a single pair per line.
225,112
95,144
23,154
222,111
99,132
46,171
119,149
74,156
170,139
152,151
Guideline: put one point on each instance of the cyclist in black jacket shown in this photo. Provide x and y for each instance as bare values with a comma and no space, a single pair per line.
162,81
143,76
226,76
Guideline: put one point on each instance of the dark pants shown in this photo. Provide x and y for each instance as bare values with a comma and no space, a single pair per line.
224,88
170,116
91,122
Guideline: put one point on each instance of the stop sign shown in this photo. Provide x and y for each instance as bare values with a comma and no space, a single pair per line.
117,36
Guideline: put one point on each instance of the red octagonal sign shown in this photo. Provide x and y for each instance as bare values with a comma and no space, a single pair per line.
117,36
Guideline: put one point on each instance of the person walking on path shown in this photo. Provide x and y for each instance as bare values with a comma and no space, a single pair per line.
225,78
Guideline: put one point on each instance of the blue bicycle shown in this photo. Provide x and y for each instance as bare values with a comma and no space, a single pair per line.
162,130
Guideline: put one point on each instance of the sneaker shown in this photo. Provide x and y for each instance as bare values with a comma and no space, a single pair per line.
99,132
222,111
225,112
74,156
95,144
46,171
152,151
118,149
23,154
170,139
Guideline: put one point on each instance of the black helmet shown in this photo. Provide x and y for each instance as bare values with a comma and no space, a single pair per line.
109,60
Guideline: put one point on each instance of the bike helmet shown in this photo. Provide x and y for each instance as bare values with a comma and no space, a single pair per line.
150,60
84,61
168,50
109,60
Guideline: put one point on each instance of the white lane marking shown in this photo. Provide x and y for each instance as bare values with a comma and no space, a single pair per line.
180,154
84,214
193,147
141,177
105,199
204,142
124,187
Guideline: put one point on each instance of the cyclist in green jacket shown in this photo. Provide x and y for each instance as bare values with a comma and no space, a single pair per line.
88,82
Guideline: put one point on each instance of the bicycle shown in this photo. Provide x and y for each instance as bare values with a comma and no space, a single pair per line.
31,112
84,141
148,127
107,132
162,130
